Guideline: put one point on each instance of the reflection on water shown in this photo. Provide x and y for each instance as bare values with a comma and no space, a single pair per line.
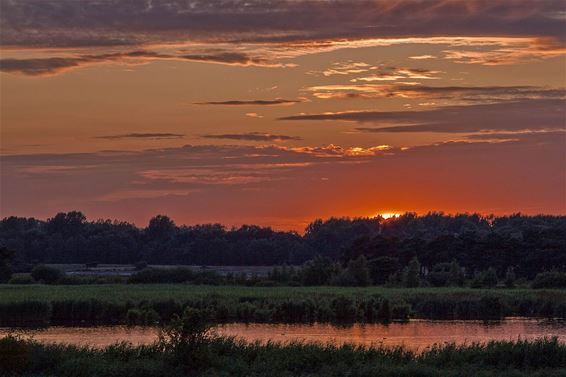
415,335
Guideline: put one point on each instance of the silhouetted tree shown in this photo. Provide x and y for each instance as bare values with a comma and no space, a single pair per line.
6,257
319,271
412,274
529,244
381,268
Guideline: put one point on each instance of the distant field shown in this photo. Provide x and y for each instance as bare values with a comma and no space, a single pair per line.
148,304
182,292
128,269
138,292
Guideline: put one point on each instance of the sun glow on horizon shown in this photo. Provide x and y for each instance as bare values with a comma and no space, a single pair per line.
388,215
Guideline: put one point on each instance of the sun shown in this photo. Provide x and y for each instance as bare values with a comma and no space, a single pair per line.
389,215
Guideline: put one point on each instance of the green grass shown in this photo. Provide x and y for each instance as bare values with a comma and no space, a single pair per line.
137,292
226,357
146,304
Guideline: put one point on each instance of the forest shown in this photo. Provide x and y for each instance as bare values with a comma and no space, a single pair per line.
524,245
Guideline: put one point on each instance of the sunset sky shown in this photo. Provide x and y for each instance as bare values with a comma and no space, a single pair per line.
278,112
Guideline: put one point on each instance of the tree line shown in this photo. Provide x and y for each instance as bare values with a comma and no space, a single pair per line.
522,245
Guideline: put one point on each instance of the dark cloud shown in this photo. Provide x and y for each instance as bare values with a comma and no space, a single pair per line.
456,93
538,137
480,91
227,58
260,102
66,23
39,67
252,136
536,114
55,65
152,136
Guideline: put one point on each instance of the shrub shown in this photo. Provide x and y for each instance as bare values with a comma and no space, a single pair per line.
510,278
46,274
6,257
384,312
440,275
550,279
382,268
343,279
485,279
401,311
187,338
457,275
412,274
490,278
26,313
490,308
319,271
133,316
14,355
359,271
145,317
21,279
344,309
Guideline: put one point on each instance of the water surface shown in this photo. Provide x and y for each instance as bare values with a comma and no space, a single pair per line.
415,335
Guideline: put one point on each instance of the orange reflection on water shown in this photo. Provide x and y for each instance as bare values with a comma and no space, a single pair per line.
416,335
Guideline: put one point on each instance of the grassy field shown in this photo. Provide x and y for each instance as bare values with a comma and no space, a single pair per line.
226,357
138,292
128,269
148,304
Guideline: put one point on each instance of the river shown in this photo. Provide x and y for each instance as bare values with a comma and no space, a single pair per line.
416,335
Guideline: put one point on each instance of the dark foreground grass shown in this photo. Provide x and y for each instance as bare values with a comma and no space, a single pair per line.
227,357
148,304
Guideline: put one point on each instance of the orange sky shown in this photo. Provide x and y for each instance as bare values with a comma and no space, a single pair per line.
276,113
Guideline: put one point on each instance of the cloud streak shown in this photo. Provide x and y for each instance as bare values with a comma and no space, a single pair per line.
252,136
257,102
54,65
453,93
537,114
149,135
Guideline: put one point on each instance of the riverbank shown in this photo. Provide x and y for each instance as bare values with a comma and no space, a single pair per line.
227,357
156,303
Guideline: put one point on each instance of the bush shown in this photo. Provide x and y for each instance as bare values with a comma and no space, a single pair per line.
440,275
359,271
384,313
21,279
510,278
550,279
6,257
145,317
187,337
319,271
14,355
46,274
490,278
411,276
381,268
26,313
401,311
485,279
